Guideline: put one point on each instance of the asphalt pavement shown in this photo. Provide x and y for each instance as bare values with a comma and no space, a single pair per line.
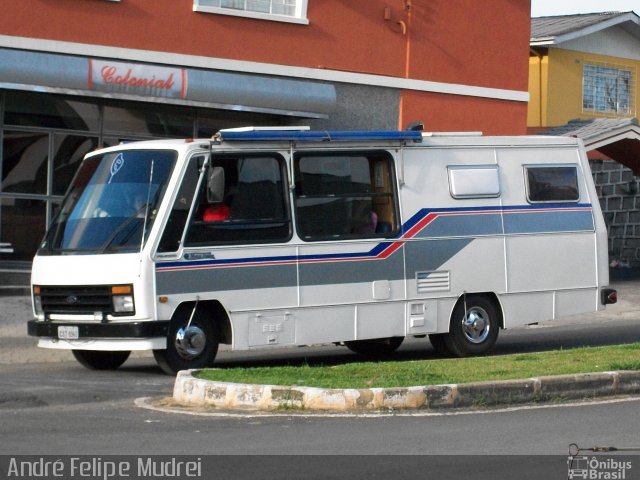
18,348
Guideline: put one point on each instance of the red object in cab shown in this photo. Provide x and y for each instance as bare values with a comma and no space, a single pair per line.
215,213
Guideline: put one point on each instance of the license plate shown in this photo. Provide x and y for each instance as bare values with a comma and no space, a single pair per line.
68,333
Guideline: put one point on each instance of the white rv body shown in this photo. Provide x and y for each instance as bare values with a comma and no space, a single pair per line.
456,219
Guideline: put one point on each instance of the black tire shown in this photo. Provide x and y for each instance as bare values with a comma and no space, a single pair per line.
195,347
99,360
476,332
376,348
439,344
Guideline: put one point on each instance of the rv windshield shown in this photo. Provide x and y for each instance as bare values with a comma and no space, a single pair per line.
111,204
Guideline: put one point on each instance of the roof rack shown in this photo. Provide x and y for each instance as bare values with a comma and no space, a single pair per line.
303,134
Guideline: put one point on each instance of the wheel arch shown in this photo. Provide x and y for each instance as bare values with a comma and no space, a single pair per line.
491,296
213,310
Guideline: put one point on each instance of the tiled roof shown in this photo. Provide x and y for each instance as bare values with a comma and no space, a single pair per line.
617,138
591,127
547,27
556,30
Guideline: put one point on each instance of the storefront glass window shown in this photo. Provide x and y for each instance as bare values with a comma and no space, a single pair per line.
69,151
208,125
44,137
148,121
113,141
22,225
24,163
50,111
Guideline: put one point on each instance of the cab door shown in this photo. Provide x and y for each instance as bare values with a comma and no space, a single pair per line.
232,246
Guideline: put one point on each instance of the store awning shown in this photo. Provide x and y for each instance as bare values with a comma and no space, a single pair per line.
111,78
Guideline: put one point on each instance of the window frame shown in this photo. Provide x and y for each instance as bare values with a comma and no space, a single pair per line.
188,243
527,182
300,16
390,181
596,74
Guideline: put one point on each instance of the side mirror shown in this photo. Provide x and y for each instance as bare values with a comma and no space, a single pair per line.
215,185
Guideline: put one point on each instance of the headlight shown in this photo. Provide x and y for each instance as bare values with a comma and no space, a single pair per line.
122,297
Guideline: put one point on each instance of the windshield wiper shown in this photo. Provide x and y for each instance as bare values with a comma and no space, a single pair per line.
132,223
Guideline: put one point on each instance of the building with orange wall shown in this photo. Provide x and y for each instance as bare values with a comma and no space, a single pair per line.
80,74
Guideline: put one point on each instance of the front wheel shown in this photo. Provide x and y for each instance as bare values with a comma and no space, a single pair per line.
376,348
99,360
474,327
189,344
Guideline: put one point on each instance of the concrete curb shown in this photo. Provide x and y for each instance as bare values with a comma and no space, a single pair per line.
191,391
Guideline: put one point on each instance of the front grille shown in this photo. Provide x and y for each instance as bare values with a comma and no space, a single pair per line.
76,299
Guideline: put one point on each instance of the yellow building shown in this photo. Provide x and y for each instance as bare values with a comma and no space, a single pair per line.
583,66
583,82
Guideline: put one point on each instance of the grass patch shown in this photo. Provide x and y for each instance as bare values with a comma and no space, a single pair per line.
390,374
632,365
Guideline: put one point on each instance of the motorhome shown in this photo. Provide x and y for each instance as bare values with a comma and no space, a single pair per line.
273,237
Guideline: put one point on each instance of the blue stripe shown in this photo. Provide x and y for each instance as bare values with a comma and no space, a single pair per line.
463,226
543,218
548,221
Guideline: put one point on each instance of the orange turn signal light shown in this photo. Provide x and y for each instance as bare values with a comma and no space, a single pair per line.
121,290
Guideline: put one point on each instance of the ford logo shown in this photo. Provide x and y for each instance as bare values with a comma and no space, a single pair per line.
72,299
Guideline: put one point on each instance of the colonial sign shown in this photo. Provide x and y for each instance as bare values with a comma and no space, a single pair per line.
137,79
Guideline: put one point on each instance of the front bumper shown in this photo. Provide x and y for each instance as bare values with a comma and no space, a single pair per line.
86,331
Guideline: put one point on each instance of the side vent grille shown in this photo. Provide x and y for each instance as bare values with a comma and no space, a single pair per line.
432,281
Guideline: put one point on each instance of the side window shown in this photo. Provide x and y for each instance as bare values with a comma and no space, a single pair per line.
250,207
345,195
552,184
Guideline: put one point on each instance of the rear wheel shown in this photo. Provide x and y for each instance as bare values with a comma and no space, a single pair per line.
474,327
189,345
378,347
99,360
